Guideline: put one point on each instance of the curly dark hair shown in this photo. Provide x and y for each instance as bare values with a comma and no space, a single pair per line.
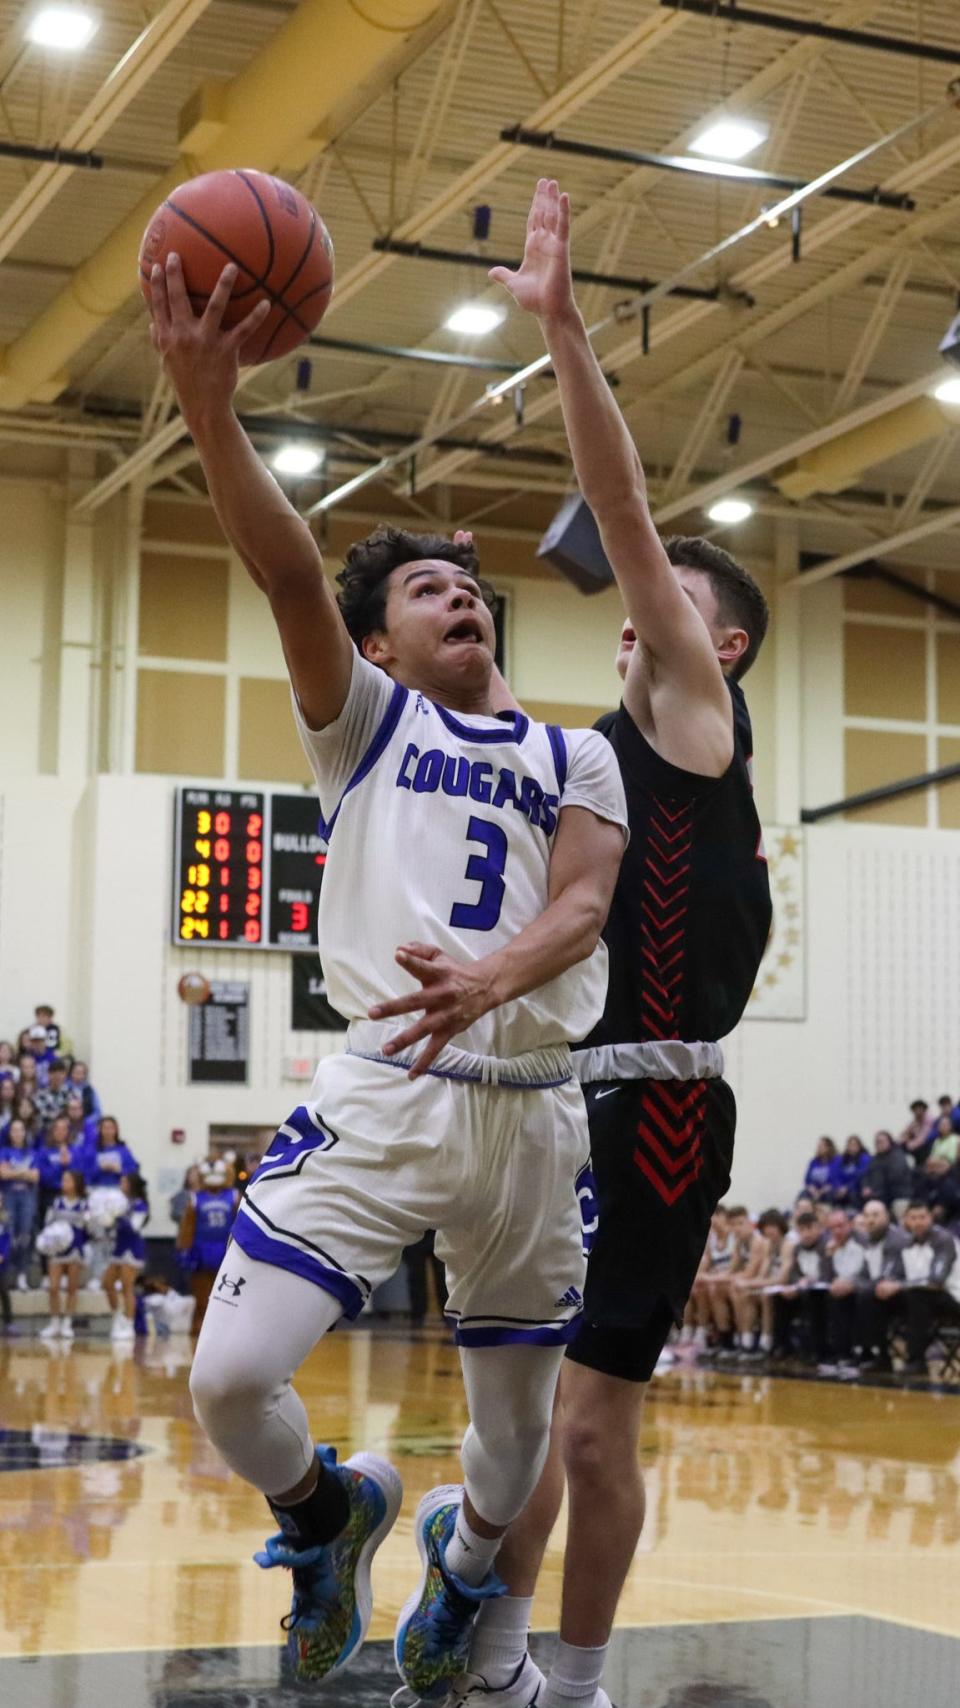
739,599
368,564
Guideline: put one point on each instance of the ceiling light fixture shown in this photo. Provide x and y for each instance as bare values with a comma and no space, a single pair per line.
474,319
730,139
65,28
948,391
297,459
730,510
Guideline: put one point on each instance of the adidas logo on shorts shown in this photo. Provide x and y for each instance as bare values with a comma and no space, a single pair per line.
571,1297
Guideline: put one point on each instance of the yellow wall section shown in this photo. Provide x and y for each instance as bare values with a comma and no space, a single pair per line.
183,607
180,723
874,757
885,672
270,751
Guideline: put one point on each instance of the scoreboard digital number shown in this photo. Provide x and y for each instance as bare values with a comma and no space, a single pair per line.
219,865
298,855
247,869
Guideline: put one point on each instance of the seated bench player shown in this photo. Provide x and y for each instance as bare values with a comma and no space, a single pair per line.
487,849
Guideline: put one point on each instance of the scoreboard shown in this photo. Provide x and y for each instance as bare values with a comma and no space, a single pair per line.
247,868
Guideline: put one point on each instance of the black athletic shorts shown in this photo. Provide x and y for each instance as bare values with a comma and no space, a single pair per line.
662,1152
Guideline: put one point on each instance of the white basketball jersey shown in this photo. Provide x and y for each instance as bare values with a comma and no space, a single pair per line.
440,829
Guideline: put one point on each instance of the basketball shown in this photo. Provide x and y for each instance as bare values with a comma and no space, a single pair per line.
193,988
278,242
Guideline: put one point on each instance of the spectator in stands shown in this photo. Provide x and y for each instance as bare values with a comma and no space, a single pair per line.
751,1262
937,1185
946,1140
79,1081
29,1080
51,1099
916,1134
25,1110
39,1049
822,1178
801,1303
80,1128
204,1233
8,1098
69,1206
846,1266
924,1282
8,1062
43,1015
884,1241
180,1200
53,1156
19,1189
888,1175
709,1305
854,1162
107,1159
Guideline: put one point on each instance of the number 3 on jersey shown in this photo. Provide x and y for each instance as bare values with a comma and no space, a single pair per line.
486,870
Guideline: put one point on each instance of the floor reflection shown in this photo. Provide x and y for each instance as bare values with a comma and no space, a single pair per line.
799,1663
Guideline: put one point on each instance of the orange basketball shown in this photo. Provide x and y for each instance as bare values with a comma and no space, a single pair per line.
193,988
276,239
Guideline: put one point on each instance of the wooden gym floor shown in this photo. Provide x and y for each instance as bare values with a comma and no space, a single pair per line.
802,1547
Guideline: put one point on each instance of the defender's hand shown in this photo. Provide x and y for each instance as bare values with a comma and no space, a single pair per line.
200,358
543,284
454,995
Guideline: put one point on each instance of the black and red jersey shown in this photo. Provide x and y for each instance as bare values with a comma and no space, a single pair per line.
691,911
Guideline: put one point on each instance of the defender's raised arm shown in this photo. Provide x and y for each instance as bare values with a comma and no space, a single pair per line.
671,634
202,362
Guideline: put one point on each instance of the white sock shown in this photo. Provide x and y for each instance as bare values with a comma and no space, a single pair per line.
700,1337
469,1556
766,1343
500,1639
574,1677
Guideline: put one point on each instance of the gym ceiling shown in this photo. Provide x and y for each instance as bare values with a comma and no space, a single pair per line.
794,369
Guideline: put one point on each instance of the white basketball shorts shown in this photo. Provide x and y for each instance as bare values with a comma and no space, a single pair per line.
373,1160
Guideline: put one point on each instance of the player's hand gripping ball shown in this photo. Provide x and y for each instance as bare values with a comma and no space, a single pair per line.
268,230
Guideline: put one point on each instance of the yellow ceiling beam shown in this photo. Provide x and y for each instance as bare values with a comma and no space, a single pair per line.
262,119
834,466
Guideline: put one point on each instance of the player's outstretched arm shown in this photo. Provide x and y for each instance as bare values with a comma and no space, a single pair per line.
584,863
605,459
202,360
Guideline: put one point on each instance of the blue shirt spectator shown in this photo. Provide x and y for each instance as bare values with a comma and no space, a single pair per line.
78,1080
823,1177
853,1165
107,1159
19,1188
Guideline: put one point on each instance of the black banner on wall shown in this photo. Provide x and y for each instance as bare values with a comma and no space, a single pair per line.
219,1035
310,1006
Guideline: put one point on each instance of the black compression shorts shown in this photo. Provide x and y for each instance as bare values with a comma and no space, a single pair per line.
662,1152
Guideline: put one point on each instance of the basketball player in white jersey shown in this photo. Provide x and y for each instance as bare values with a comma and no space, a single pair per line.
487,849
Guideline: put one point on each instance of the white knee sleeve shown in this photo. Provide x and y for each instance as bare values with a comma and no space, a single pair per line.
510,1393
258,1329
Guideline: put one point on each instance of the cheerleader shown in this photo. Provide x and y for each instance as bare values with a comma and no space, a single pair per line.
68,1211
128,1256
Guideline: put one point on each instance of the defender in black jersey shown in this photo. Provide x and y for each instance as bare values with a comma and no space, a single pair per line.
685,935
686,931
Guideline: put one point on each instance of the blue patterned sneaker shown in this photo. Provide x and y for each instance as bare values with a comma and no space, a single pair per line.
433,1632
332,1597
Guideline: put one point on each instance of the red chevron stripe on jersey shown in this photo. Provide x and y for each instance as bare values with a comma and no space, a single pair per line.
669,1149
666,891
669,1132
